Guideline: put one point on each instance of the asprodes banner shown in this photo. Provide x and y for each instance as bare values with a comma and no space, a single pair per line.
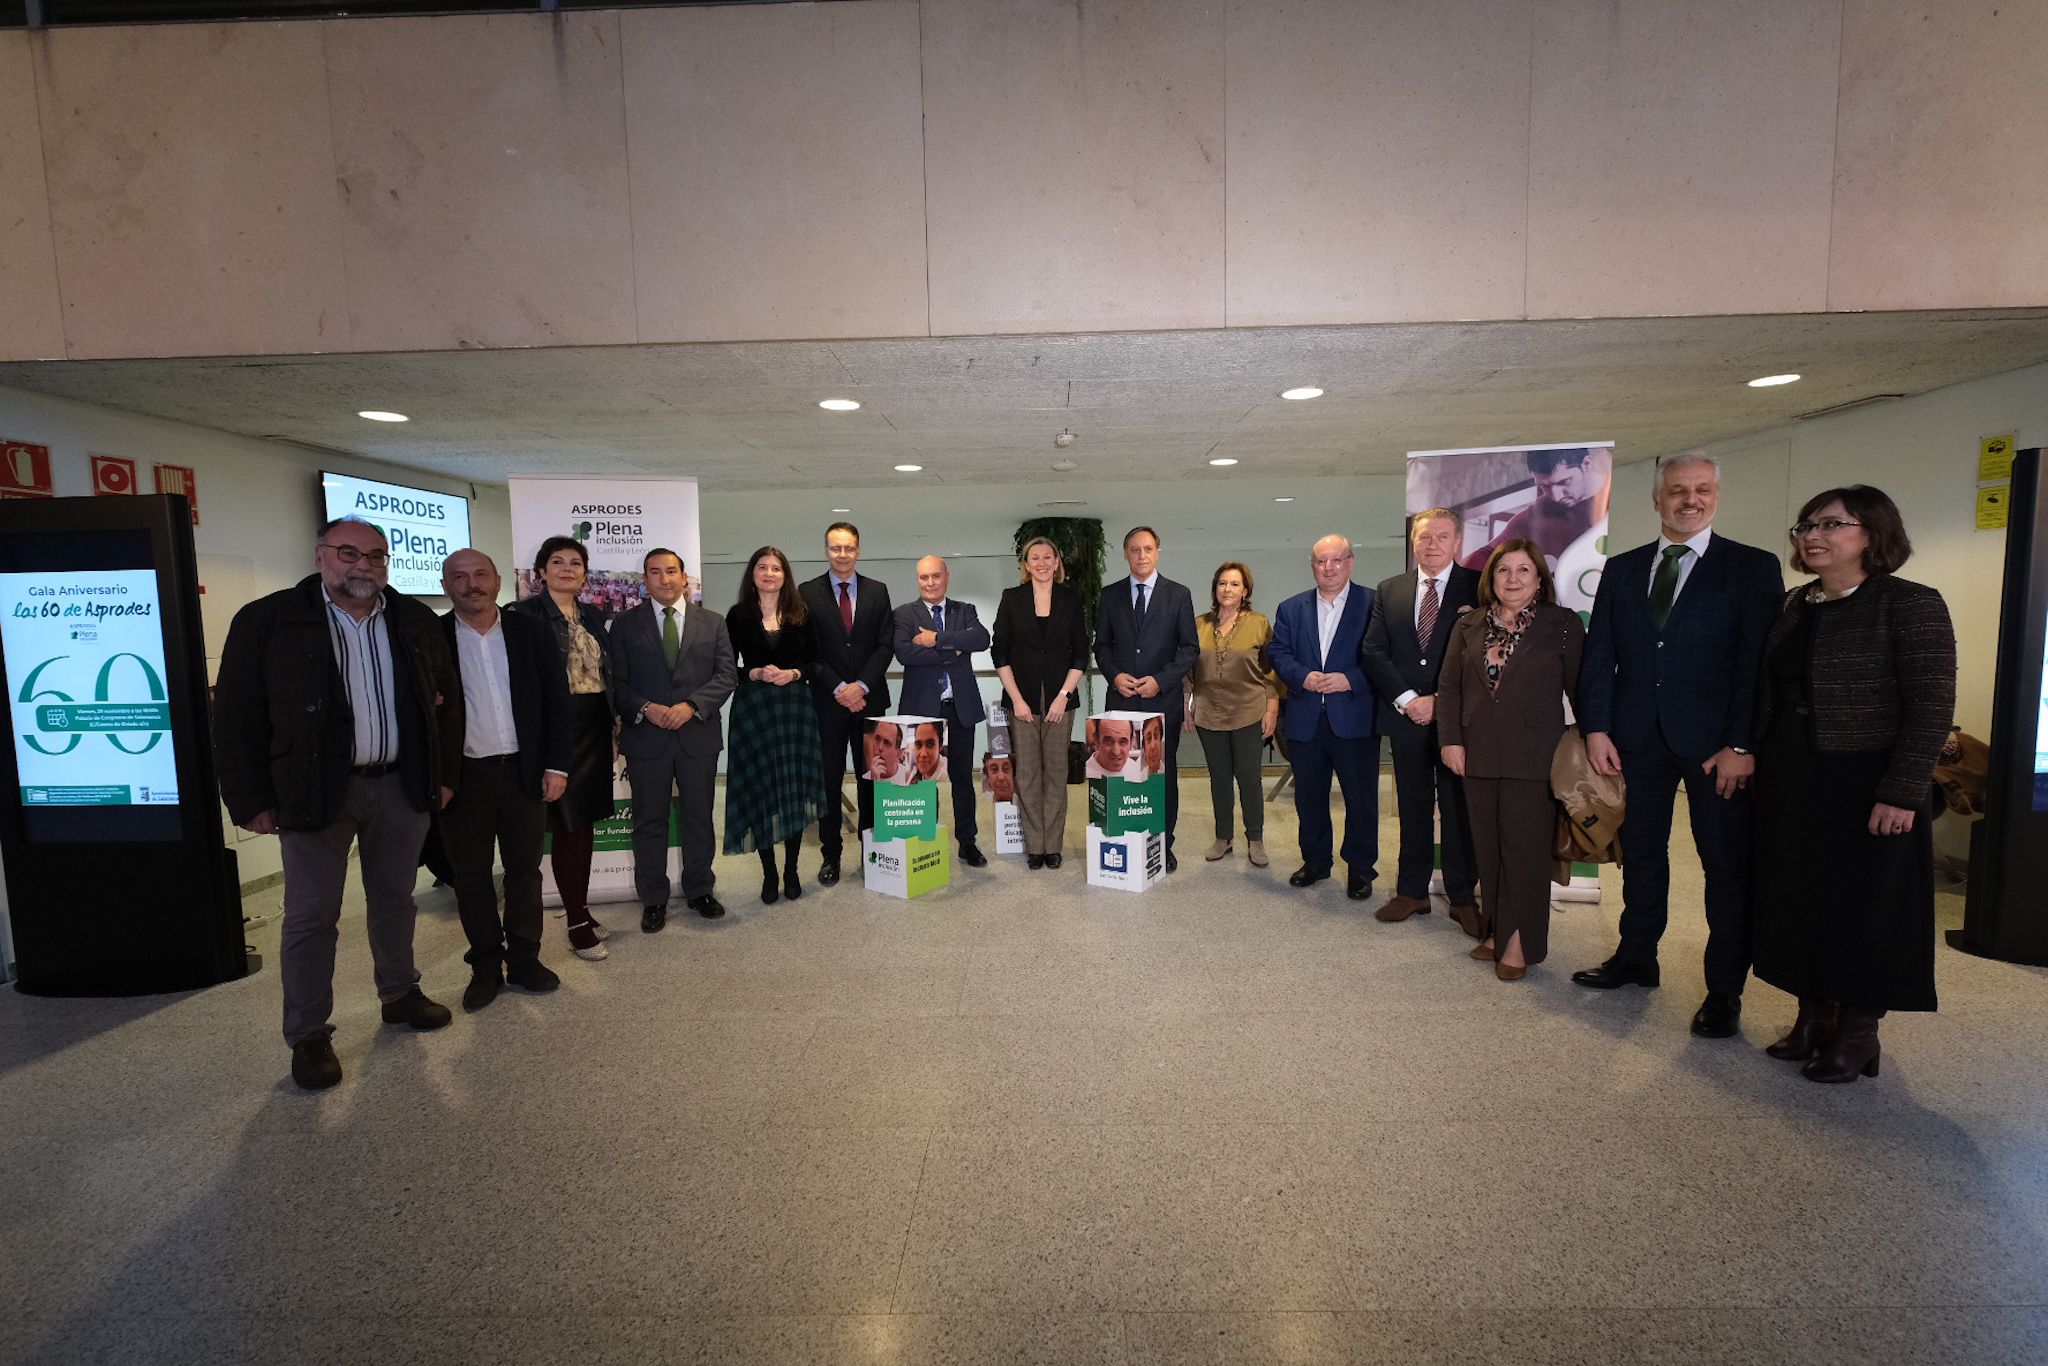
618,521
1554,495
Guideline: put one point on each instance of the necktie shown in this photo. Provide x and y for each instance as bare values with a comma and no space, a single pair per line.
671,638
939,624
1665,590
846,607
1425,620
1141,604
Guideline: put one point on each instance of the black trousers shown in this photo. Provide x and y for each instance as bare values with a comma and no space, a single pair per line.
1173,773
1720,830
960,770
492,807
1356,766
1422,788
693,779
840,732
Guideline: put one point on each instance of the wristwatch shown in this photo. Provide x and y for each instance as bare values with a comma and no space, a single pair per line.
1738,749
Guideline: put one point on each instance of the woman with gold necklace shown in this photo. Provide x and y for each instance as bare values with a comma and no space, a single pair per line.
1233,701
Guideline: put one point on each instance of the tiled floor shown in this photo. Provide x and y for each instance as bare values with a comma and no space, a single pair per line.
1025,1121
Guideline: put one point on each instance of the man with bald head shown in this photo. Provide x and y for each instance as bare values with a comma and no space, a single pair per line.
937,638
1328,719
515,760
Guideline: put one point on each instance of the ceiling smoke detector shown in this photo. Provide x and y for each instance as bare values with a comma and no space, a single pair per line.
1063,440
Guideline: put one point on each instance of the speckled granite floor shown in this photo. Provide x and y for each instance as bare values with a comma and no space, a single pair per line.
1026,1121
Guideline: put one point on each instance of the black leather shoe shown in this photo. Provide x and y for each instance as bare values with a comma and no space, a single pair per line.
1719,1018
791,887
529,975
1052,860
771,890
708,906
653,919
1306,876
481,991
828,872
416,1010
1034,861
1357,886
314,1065
1172,863
1617,972
973,857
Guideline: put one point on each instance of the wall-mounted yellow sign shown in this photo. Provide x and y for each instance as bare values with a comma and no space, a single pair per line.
1992,507
1994,458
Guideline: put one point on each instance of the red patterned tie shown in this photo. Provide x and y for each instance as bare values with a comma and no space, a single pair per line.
1425,621
846,607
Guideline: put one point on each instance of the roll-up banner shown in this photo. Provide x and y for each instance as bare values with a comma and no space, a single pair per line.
1553,495
618,521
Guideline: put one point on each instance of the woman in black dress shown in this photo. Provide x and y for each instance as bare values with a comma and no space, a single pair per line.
774,782
1858,690
1040,646
563,566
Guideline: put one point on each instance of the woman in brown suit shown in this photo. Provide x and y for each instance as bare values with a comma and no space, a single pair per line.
1500,712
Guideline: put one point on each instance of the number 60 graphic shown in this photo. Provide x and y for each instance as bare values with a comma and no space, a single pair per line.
30,693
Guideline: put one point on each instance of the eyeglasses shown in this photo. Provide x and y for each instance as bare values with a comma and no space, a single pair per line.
1827,526
348,554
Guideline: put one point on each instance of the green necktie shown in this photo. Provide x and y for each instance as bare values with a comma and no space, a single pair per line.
672,640
1665,590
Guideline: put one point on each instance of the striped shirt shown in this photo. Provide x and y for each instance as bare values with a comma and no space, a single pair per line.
362,651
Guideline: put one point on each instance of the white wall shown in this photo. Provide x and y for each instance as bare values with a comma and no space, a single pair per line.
259,508
1923,452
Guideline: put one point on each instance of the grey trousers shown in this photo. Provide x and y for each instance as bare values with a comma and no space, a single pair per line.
1039,751
1233,757
376,817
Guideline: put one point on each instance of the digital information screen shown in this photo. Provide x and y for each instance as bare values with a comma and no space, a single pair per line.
85,677
423,527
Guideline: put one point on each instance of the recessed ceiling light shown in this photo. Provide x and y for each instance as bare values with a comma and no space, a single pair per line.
1223,460
378,415
1066,503
908,469
1306,391
842,509
838,405
1772,381
1283,500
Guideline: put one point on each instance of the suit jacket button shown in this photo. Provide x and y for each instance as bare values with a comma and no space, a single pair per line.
1425,663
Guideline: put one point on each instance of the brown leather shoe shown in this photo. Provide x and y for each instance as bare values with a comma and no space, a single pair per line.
1809,1033
1400,908
1483,952
1508,974
1470,919
1852,1051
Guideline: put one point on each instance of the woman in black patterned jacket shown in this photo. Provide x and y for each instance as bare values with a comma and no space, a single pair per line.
1858,689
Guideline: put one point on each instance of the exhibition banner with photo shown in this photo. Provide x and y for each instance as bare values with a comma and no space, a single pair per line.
85,666
618,521
1553,495
904,853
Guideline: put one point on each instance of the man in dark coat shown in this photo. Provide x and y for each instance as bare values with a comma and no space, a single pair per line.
1145,644
338,721
855,634
936,639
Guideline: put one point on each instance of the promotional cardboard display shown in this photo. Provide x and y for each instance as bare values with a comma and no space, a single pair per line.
1126,799
999,780
906,853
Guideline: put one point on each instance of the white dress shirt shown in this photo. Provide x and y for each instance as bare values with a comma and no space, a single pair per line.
362,651
1697,546
488,729
1442,580
1328,615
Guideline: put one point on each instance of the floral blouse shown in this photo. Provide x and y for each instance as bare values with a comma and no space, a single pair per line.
586,661
1501,641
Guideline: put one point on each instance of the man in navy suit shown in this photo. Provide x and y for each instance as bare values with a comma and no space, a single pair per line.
1665,697
855,634
1405,639
515,760
936,640
1145,644
1328,717
672,669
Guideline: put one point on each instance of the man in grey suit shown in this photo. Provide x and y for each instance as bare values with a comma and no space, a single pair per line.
672,669
1145,644
936,638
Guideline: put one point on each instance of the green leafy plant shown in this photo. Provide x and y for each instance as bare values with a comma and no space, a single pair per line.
1081,546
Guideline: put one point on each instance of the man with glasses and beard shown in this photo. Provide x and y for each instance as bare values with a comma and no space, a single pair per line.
338,721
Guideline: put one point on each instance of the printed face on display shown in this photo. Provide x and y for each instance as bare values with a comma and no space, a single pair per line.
999,776
1566,484
885,751
924,751
1112,744
1686,496
1155,746
1436,544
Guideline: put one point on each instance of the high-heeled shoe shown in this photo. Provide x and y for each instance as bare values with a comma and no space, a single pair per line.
597,927
1808,1033
1508,973
583,942
1852,1051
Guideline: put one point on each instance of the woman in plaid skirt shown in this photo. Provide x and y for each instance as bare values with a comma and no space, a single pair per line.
774,784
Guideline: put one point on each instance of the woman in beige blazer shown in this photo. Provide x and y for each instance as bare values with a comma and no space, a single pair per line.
1499,713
